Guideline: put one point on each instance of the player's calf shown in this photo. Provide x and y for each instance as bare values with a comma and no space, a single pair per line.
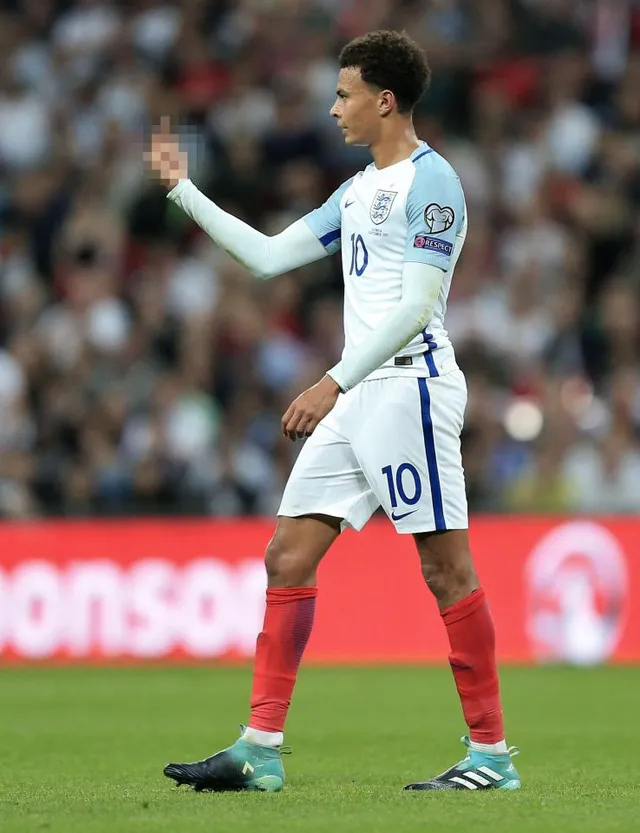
448,568
254,761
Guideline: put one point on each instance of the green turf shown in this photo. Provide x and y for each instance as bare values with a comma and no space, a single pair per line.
83,751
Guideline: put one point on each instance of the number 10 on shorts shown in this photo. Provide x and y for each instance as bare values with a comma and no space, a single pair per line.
405,485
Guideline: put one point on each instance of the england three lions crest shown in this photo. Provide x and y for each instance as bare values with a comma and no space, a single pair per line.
381,205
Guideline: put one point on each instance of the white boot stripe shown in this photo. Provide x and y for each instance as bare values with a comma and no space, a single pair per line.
487,771
478,778
468,784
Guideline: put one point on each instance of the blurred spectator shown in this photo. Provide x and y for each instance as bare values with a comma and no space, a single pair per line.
542,486
25,124
142,371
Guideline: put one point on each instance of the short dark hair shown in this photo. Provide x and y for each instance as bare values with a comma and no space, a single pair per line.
390,61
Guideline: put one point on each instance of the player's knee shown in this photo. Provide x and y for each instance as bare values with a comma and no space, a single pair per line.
286,565
449,580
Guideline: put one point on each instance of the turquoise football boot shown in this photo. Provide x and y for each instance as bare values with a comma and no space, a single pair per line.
478,771
242,766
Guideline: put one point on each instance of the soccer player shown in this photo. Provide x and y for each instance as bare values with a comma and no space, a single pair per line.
383,425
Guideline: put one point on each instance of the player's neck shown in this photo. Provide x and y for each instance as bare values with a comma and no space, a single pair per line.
398,144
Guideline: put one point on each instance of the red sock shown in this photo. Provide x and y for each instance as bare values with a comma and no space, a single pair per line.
473,662
288,620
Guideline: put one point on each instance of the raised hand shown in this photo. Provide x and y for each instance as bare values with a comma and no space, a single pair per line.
164,157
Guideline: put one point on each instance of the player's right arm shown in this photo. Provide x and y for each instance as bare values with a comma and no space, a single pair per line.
264,256
301,243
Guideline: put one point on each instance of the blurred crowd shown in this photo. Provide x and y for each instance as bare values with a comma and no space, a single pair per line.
143,371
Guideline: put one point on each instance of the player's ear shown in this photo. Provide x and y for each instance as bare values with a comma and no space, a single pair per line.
386,102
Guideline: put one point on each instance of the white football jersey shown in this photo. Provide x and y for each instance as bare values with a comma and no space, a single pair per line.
411,211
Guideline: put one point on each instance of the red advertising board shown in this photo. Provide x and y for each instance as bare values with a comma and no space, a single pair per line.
560,590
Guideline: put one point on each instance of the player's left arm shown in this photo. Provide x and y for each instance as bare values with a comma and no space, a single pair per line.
436,225
436,228
421,285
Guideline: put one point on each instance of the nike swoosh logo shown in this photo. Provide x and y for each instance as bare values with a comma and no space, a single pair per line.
459,666
400,517
347,204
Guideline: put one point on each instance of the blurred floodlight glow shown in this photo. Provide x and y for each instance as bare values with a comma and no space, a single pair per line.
523,420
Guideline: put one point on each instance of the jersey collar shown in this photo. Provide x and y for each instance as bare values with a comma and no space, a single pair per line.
422,150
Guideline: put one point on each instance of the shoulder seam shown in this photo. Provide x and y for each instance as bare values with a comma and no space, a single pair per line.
420,155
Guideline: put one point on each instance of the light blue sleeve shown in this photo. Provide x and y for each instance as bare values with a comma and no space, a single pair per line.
326,222
435,216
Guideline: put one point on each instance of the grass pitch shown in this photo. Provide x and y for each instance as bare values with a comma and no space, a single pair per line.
83,751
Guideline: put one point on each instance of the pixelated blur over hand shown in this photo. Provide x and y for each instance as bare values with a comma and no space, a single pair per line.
308,409
164,157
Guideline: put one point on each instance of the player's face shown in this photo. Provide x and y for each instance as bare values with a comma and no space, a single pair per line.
357,108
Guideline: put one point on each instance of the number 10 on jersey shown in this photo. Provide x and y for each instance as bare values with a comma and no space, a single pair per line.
359,255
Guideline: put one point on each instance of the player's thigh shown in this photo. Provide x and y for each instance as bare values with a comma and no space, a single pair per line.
410,451
327,480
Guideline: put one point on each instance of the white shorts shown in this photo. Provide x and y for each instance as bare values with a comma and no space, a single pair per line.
392,442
